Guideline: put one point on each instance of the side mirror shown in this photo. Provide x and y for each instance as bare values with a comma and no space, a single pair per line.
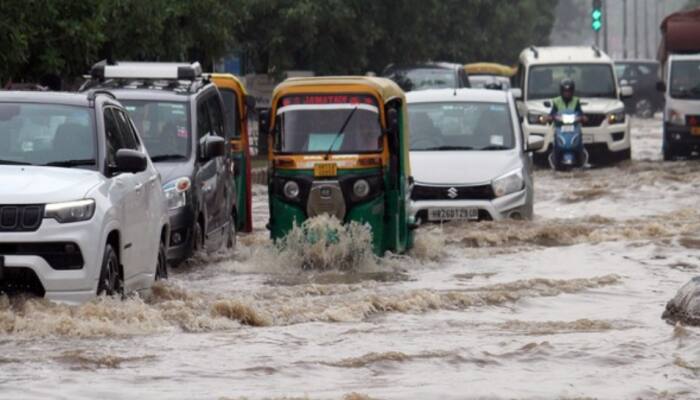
535,143
547,104
263,123
130,161
661,86
517,93
250,102
626,92
212,146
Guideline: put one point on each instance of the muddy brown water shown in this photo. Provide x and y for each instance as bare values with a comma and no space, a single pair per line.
565,306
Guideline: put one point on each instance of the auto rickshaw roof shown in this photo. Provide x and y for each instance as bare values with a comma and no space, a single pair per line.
218,77
485,68
383,87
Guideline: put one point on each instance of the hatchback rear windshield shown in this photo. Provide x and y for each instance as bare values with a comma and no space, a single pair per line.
460,126
164,128
47,134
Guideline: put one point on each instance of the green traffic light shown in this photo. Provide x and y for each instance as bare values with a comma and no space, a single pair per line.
596,25
596,14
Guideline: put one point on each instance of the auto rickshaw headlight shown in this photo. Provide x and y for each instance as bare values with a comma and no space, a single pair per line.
360,188
291,190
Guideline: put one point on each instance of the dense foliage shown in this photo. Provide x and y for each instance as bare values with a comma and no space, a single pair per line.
64,37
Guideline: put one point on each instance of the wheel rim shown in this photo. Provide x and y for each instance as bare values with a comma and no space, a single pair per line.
112,278
643,108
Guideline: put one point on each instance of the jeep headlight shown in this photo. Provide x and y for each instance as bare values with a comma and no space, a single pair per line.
676,118
176,192
71,211
536,118
616,117
509,183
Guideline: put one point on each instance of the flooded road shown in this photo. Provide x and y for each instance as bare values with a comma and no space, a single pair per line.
565,306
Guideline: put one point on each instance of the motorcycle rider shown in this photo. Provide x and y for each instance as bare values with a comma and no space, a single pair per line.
566,103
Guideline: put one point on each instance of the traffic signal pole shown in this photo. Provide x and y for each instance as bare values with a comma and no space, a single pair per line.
597,20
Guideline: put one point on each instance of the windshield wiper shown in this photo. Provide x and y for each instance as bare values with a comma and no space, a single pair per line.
11,162
449,148
165,157
495,147
340,132
70,163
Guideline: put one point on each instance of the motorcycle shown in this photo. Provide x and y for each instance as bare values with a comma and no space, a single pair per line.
569,151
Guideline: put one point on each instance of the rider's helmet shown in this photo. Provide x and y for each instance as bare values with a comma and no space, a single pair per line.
566,89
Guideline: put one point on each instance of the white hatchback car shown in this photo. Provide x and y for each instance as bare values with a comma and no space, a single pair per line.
468,157
81,206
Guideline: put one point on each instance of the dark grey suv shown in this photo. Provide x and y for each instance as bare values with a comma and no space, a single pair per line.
180,116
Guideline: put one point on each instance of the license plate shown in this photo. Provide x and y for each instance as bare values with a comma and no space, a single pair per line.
325,169
567,128
449,214
588,138
2,266
695,130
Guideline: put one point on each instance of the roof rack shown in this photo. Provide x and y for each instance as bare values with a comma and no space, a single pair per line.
596,50
92,94
534,51
146,70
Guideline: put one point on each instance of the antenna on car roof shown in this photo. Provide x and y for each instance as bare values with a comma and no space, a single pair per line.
596,50
534,51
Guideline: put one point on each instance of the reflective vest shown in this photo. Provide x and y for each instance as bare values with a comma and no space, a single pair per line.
562,106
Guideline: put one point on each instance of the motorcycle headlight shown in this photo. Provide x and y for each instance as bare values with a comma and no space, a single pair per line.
291,190
616,117
72,211
509,183
360,188
676,118
176,192
536,118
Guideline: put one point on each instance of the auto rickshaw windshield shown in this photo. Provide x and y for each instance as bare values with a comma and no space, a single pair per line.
328,128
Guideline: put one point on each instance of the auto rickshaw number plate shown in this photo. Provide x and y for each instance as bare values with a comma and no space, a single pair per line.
695,131
448,214
325,169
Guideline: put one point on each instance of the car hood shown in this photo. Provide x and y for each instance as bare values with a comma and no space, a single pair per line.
590,105
40,185
173,170
462,167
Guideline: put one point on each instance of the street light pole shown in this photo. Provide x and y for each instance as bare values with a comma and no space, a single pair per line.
624,29
605,25
646,30
635,23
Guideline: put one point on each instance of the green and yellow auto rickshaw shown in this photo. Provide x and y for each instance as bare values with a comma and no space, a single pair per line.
237,103
339,146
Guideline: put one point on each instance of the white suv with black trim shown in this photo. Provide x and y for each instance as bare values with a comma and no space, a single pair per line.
81,206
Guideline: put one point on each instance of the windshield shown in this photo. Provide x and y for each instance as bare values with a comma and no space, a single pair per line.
489,81
164,128
231,109
47,134
460,126
685,79
592,80
424,78
313,124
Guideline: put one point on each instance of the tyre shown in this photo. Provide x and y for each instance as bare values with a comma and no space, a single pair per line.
232,232
162,263
197,238
110,282
643,108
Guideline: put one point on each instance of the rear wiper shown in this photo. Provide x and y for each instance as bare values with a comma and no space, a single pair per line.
450,148
165,157
70,163
494,147
11,162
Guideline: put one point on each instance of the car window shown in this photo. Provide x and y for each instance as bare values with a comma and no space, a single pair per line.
216,116
203,122
128,135
645,70
164,127
112,135
231,111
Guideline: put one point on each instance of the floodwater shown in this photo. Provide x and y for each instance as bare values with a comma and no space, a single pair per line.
566,306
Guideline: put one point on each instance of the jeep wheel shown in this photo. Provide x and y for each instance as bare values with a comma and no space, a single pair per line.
643,108
110,282
162,264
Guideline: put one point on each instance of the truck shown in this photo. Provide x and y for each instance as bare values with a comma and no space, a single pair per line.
679,56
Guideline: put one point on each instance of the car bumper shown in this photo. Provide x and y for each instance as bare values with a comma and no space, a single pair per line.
616,137
68,285
181,223
511,206
680,135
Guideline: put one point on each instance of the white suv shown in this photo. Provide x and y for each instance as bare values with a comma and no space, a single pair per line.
606,133
81,206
